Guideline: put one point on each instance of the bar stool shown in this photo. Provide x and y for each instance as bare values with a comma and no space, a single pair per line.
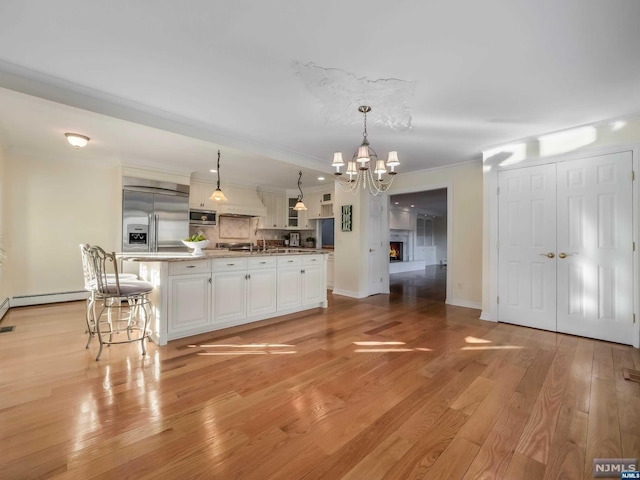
90,285
111,290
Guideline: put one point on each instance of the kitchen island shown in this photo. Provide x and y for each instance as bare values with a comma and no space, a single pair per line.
222,289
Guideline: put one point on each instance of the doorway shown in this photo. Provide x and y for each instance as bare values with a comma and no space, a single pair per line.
565,257
418,244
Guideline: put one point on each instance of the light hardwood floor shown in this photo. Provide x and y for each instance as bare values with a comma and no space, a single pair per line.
380,388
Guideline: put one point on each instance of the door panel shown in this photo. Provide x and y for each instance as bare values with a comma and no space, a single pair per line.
527,222
582,212
595,279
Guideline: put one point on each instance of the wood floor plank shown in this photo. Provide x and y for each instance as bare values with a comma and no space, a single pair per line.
603,438
537,436
371,388
496,452
524,468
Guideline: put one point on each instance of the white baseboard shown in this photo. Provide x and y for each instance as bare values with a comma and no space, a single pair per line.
348,293
486,316
26,300
4,307
401,267
464,303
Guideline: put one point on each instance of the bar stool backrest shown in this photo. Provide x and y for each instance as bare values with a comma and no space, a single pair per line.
87,270
104,268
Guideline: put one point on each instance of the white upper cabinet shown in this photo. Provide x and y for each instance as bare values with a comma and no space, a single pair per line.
199,194
276,209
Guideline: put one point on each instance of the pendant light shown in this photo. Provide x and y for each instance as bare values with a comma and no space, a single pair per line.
217,195
300,204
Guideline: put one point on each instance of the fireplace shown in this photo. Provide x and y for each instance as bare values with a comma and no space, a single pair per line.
395,251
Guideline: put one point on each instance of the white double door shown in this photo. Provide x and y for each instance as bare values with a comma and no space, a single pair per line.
565,247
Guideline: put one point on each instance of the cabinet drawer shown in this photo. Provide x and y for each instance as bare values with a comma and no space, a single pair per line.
312,260
185,268
292,261
229,264
261,262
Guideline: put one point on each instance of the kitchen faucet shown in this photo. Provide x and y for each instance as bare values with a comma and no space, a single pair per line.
264,242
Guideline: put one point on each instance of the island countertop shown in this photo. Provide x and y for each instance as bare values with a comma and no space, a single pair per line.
208,254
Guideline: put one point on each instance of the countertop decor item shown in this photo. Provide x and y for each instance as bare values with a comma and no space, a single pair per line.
197,247
363,175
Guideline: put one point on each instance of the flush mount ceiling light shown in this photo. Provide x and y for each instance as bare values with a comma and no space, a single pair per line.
363,175
77,140
300,204
217,195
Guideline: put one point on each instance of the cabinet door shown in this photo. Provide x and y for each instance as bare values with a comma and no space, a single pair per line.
312,201
261,292
195,195
199,194
280,210
229,295
292,215
303,220
276,209
289,288
189,302
313,284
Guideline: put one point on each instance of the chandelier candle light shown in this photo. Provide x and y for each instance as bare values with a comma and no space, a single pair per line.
217,195
369,165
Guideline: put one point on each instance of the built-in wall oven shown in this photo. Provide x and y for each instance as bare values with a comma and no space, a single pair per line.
202,217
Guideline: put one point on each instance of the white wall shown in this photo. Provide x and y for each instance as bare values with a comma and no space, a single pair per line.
350,268
3,220
465,261
54,205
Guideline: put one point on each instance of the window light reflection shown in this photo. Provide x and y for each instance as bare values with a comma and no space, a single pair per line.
470,339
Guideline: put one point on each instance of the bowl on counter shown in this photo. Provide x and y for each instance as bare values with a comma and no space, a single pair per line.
197,246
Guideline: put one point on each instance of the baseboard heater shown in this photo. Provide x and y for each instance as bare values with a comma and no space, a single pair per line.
4,307
39,299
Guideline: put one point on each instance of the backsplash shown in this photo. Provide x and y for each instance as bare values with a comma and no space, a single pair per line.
238,231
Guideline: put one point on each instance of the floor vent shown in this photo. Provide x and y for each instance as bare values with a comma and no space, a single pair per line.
11,329
631,375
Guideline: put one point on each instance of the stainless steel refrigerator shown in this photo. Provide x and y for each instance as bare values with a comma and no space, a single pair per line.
155,215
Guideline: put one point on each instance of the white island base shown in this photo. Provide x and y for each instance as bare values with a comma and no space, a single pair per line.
199,295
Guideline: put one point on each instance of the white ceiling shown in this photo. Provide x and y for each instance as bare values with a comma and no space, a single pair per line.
200,75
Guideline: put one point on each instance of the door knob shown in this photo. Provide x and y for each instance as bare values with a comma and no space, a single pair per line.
565,255
550,255
372,250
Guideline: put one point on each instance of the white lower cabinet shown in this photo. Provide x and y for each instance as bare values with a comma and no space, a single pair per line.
198,296
289,282
189,306
261,286
313,281
301,281
244,288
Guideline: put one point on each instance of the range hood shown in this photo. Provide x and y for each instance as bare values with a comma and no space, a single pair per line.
241,202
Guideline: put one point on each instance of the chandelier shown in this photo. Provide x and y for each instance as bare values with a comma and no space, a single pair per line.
369,173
